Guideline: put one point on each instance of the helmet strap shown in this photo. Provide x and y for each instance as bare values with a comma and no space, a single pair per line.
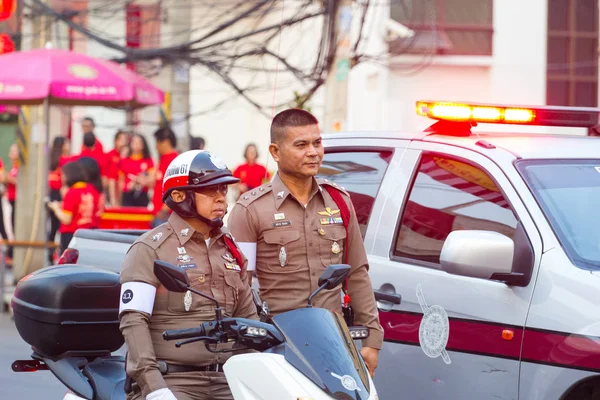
187,209
213,223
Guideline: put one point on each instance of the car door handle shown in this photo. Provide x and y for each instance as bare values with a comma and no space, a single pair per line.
392,298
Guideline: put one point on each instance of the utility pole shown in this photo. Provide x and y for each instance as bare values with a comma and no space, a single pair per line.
32,180
180,20
336,83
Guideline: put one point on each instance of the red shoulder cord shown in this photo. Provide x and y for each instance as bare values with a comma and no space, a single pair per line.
345,214
234,251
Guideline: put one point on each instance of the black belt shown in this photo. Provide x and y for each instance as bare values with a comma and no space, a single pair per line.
166,368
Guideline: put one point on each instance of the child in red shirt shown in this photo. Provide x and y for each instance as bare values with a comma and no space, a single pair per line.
80,205
91,170
135,173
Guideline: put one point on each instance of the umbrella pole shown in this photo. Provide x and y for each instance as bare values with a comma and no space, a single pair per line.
43,118
46,192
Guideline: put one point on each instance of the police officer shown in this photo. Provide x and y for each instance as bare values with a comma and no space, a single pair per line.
292,228
195,188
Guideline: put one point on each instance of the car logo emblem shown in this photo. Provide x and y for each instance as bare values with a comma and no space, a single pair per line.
348,382
434,330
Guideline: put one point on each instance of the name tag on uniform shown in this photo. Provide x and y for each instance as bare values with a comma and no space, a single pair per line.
232,267
279,224
187,266
331,221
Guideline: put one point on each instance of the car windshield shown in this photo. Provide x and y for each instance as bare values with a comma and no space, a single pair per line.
568,192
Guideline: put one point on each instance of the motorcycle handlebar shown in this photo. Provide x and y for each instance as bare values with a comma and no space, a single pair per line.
187,333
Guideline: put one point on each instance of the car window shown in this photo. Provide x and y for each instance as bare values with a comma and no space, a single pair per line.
360,173
449,194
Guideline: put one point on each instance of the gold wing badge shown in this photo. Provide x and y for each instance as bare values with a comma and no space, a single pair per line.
328,212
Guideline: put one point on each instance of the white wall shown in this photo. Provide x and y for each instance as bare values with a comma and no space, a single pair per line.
514,74
230,128
368,81
436,82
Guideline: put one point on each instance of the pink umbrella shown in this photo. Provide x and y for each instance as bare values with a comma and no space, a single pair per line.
68,78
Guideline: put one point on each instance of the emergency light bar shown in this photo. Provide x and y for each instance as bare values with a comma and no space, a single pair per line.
584,117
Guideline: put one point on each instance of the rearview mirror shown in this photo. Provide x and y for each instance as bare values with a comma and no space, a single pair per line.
334,275
478,254
172,277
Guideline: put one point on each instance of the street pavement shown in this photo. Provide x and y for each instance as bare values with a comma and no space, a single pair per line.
24,385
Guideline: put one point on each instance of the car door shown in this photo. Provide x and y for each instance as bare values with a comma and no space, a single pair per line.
452,337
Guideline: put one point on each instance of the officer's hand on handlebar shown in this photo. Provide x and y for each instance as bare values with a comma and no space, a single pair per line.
161,394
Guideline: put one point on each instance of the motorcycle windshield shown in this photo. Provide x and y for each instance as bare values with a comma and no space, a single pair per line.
319,345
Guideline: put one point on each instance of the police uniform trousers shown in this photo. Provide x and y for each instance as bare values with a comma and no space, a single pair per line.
194,385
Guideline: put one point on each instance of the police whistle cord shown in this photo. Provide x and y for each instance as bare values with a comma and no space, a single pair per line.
345,214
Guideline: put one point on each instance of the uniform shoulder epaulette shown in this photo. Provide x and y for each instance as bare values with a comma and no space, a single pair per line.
323,181
155,237
252,195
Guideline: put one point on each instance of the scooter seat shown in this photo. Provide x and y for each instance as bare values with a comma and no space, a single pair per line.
107,377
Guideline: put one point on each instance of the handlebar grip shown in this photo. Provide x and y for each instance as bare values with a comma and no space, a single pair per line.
175,334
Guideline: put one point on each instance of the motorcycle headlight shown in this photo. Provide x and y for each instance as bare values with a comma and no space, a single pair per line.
253,331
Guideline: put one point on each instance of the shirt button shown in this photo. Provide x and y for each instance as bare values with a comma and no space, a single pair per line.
310,243
313,274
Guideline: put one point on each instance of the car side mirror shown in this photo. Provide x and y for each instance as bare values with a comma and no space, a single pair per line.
334,275
478,254
172,277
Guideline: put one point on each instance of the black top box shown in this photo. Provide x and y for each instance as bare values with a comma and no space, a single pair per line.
69,308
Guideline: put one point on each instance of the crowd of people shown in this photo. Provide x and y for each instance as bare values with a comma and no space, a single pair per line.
83,184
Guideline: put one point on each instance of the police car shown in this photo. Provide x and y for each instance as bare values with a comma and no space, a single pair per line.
493,242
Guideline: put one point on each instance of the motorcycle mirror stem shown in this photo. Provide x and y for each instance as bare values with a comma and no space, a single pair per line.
175,279
331,278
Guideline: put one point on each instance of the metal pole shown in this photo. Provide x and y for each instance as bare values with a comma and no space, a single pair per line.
336,84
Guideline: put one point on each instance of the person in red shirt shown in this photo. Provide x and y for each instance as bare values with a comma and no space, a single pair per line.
11,187
112,165
87,127
89,149
59,156
91,171
135,173
251,174
166,142
80,205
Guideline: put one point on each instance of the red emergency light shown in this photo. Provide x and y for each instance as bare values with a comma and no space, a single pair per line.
584,117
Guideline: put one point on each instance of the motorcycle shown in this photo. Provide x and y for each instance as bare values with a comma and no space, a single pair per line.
306,353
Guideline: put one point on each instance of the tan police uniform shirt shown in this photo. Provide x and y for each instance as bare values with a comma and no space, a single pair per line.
148,309
296,243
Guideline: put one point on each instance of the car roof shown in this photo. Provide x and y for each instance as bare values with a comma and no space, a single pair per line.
523,145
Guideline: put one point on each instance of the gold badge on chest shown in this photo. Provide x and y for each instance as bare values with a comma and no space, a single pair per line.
335,248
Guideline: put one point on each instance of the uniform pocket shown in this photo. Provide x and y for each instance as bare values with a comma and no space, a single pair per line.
283,247
233,285
332,240
177,301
